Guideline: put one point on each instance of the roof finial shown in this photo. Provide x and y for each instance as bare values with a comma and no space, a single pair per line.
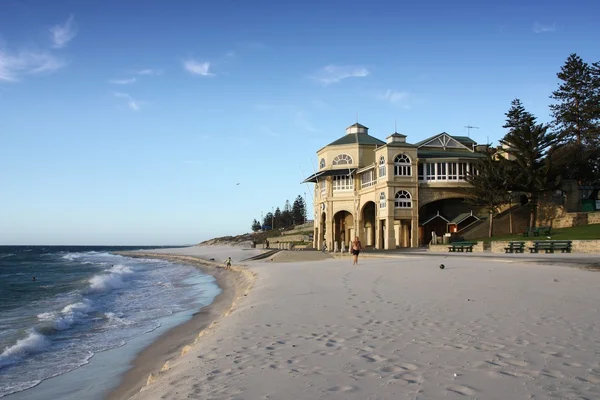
357,117
395,127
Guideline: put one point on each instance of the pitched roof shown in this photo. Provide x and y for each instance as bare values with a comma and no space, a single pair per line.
441,153
357,125
358,138
445,140
462,217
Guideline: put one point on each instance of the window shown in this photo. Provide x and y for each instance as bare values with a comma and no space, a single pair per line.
452,171
323,188
403,199
343,182
430,171
382,201
462,170
441,171
367,179
322,163
420,170
342,159
381,166
402,165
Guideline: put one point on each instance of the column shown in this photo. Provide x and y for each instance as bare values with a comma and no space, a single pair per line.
390,240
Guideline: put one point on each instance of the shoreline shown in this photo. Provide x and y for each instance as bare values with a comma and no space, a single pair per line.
156,358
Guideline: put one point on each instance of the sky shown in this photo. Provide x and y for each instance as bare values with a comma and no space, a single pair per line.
167,123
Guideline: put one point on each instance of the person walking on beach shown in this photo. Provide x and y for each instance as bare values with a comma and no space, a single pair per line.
356,248
228,263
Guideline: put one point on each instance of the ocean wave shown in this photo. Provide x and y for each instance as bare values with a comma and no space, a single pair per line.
115,279
72,256
6,255
33,343
68,315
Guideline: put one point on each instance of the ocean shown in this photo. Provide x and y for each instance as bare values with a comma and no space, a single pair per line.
61,307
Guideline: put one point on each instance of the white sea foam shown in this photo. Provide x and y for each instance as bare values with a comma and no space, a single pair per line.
33,343
114,280
72,256
68,316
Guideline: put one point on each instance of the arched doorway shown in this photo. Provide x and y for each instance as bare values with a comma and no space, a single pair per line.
367,230
343,227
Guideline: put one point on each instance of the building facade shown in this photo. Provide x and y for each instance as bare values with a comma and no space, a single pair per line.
391,193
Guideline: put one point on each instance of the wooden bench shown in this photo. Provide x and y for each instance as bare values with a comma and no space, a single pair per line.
515,247
543,230
461,247
550,245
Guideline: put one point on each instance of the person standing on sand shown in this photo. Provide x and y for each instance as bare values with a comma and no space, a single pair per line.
356,248
228,263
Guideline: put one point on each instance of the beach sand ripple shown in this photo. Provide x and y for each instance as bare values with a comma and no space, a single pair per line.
399,329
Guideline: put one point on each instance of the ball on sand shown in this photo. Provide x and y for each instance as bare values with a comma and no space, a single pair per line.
442,266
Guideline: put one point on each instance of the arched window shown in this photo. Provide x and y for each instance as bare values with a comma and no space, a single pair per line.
402,165
403,200
322,163
342,159
382,200
381,166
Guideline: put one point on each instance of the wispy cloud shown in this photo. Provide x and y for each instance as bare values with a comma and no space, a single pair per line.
148,71
397,98
303,122
336,73
542,28
198,68
123,81
270,132
63,34
131,102
12,66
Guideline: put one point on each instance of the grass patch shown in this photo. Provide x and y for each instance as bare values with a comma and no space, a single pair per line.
583,232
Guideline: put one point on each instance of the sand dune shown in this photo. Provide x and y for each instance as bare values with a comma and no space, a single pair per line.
398,328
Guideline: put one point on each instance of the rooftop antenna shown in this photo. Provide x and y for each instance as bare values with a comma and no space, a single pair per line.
357,117
395,127
469,127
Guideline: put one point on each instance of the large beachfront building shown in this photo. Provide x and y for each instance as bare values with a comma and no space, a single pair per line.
391,193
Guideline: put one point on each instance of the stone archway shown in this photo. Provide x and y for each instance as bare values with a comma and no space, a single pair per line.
343,227
367,230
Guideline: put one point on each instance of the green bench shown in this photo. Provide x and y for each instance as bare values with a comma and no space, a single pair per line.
515,247
549,246
461,247
541,230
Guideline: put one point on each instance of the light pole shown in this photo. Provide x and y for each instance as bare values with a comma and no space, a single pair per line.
273,219
510,224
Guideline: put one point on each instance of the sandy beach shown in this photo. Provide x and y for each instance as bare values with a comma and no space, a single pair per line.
304,325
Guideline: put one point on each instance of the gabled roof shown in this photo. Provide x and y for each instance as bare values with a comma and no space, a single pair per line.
446,141
462,217
358,138
428,220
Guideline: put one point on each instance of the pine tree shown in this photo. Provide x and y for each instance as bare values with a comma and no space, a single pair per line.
299,210
529,146
278,221
517,115
255,226
489,186
573,113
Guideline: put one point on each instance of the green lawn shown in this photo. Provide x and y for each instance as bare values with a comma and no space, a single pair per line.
583,232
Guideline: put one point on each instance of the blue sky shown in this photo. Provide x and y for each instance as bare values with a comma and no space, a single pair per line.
130,124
